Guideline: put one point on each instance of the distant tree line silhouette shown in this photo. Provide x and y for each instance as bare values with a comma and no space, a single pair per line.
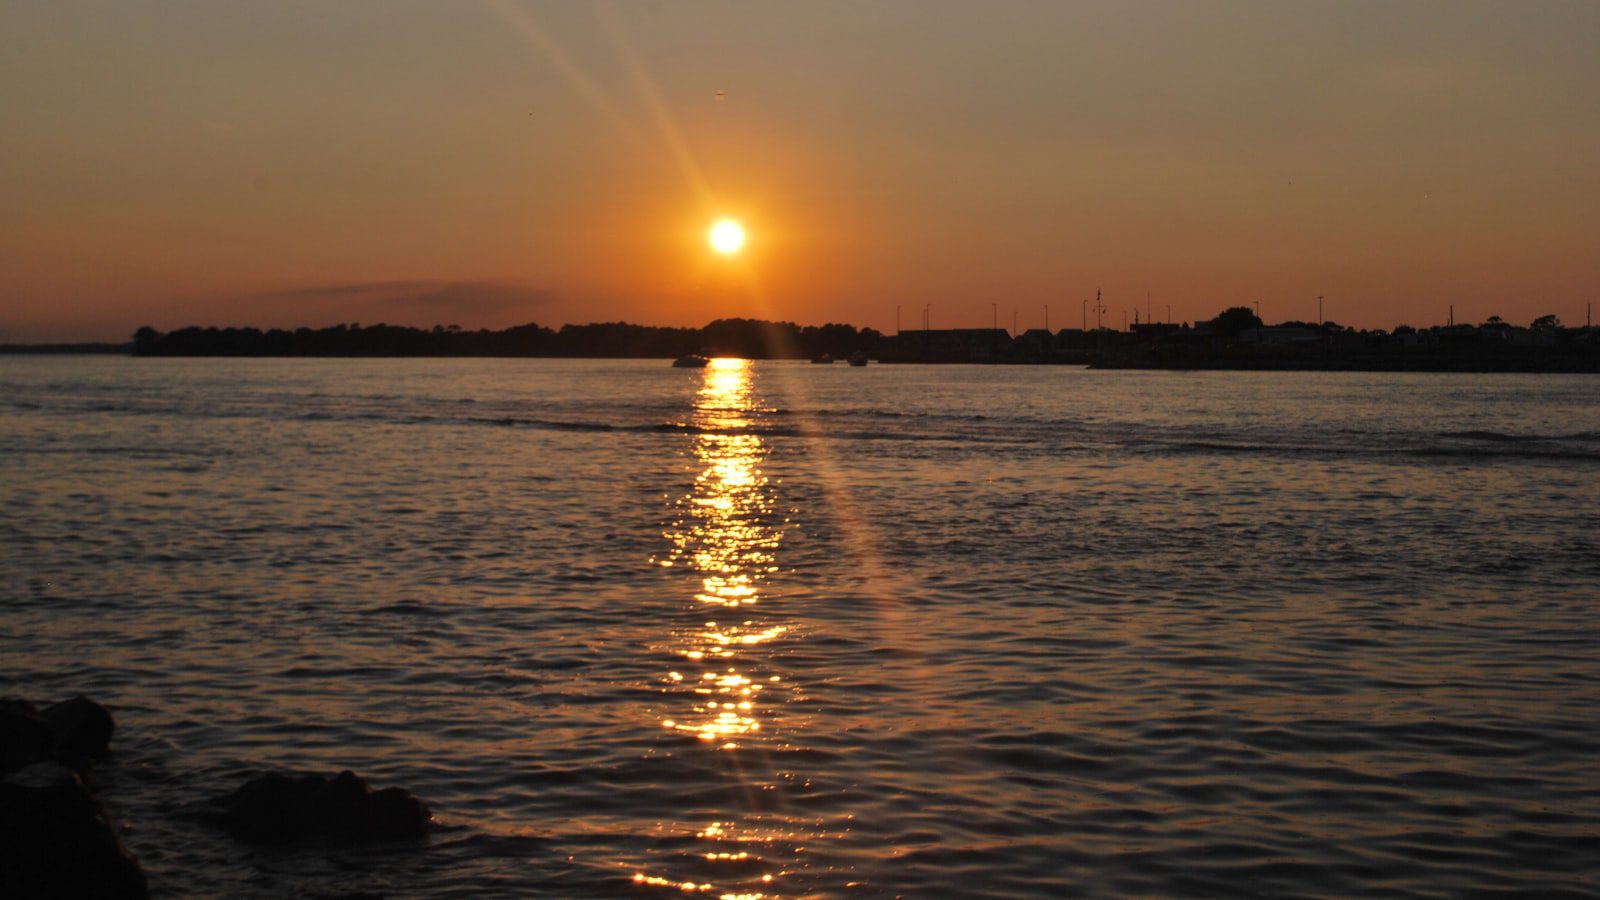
1237,338
750,338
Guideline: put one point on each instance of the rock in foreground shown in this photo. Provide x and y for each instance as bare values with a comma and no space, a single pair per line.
55,840
76,732
280,809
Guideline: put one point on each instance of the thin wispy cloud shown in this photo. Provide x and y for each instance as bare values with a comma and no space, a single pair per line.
420,302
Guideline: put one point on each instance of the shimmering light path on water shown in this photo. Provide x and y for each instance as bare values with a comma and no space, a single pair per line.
725,535
919,631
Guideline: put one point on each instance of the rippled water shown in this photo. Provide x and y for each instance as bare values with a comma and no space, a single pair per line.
779,630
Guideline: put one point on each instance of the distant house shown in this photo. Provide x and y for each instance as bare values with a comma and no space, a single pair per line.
1149,331
1072,339
948,345
1281,336
1037,340
1078,340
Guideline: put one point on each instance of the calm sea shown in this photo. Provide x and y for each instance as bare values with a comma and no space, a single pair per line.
785,630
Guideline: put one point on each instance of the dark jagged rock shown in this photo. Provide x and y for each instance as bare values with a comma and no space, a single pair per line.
55,840
83,730
25,736
76,732
279,809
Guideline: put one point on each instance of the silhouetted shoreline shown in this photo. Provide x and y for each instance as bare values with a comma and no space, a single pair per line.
1236,339
89,347
1507,360
749,338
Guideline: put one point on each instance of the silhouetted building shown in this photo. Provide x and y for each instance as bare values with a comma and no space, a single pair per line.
1149,331
947,345
1037,340
1280,336
1072,339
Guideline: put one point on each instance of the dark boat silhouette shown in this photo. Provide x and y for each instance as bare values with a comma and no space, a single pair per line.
858,358
690,361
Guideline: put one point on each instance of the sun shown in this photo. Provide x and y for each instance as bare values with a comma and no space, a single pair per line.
727,237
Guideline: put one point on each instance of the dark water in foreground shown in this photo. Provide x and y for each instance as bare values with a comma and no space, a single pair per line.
778,630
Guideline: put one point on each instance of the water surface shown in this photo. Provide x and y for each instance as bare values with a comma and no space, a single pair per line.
780,630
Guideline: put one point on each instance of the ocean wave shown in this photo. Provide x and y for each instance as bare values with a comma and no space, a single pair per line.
1500,436
764,431
1511,451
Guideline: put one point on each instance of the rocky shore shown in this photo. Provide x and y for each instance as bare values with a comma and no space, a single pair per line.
56,840
276,808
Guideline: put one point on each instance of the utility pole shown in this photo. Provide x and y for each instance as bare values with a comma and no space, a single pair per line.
1452,315
1320,319
1099,311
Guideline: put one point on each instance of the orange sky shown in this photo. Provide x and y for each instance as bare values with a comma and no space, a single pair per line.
492,163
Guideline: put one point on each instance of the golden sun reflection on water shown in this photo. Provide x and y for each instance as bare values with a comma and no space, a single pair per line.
726,533
724,536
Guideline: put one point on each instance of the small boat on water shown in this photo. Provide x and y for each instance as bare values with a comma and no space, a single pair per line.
825,359
690,361
858,358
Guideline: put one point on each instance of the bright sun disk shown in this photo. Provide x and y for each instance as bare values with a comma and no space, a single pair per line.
727,236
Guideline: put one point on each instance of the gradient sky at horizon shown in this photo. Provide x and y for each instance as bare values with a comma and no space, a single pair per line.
493,163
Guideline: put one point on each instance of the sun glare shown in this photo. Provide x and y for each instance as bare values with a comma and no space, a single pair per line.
727,237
